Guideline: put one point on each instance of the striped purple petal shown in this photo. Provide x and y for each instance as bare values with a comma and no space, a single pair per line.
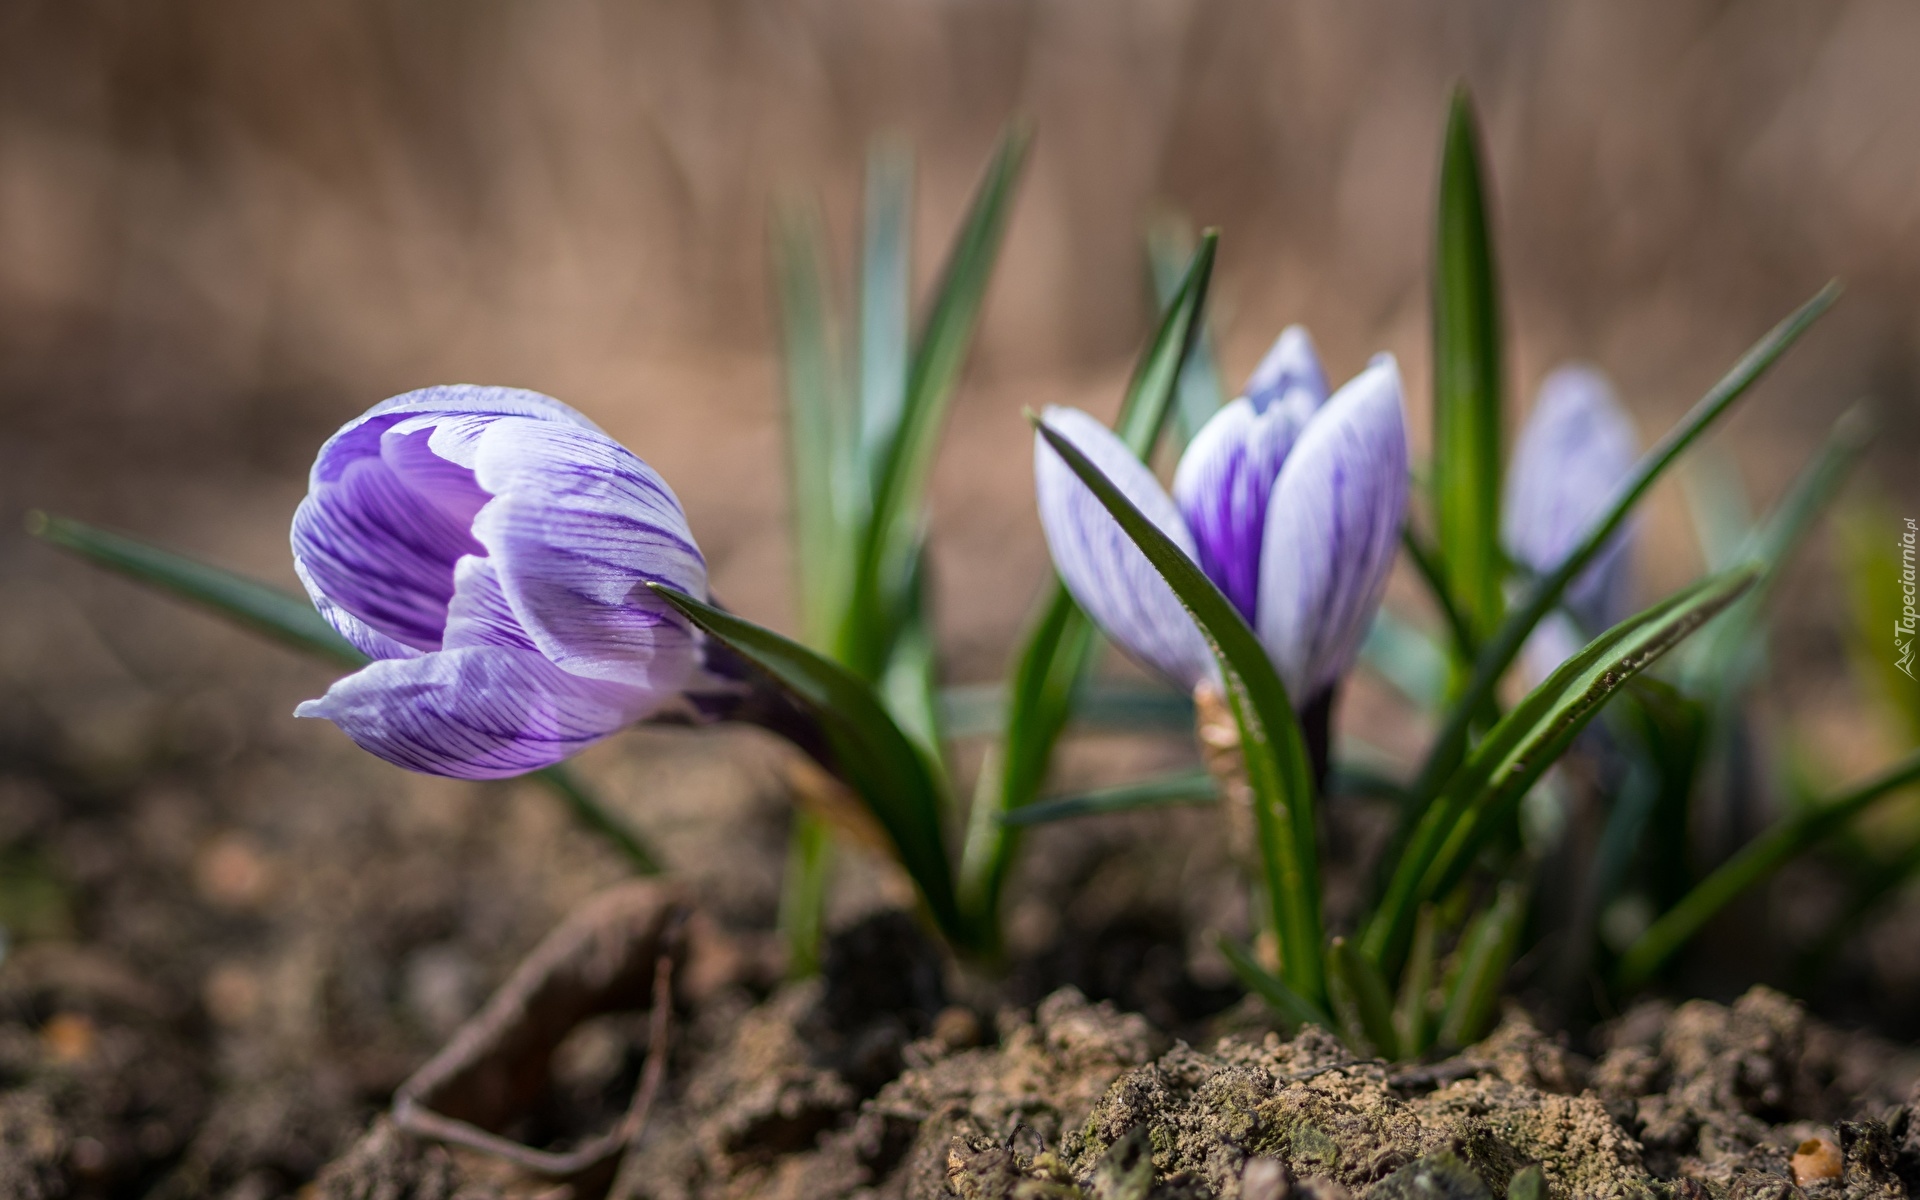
577,529
1223,483
1333,526
1572,456
370,546
491,547
1291,365
476,713
1100,565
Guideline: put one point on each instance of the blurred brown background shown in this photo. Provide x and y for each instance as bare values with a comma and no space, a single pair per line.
227,226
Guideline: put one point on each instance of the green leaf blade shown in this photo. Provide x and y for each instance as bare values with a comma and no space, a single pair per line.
1466,380
287,619
1361,981
894,519
1523,744
1179,789
1264,984
1726,657
1485,954
886,271
1755,862
883,764
820,420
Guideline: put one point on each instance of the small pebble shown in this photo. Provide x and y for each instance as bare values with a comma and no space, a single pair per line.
231,994
1264,1179
68,1038
231,872
1319,1187
1815,1160
89,1156
957,1028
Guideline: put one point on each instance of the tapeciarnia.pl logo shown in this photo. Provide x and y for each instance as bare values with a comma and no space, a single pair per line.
1903,629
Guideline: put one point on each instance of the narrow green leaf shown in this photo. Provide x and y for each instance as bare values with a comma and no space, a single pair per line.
1170,248
886,271
1485,953
1673,732
1373,1006
908,682
1498,653
590,812
1152,389
820,420
882,558
1416,983
1288,1003
1718,505
1167,791
1054,659
879,761
1514,754
1755,862
1270,739
803,890
287,619
291,621
1726,657
1466,381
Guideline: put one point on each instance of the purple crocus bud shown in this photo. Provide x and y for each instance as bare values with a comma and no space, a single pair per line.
1227,474
1576,449
1333,527
1291,365
1291,506
490,549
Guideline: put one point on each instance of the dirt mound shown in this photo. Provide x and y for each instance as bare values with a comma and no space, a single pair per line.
1074,1099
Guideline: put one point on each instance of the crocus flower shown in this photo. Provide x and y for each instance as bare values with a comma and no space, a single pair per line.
1576,448
490,549
1291,502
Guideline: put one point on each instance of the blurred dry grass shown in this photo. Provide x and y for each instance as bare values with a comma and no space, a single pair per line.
227,226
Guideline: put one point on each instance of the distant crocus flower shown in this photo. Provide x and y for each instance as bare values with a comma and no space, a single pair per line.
1289,500
491,548
1576,448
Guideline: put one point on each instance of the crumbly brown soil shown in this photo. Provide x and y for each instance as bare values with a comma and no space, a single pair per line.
867,1083
230,965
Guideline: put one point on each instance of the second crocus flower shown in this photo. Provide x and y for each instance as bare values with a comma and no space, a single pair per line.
1576,449
1289,499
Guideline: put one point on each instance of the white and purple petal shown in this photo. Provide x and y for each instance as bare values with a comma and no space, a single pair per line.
1106,573
577,528
477,713
1333,526
364,637
1573,454
1222,487
365,542
1291,365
